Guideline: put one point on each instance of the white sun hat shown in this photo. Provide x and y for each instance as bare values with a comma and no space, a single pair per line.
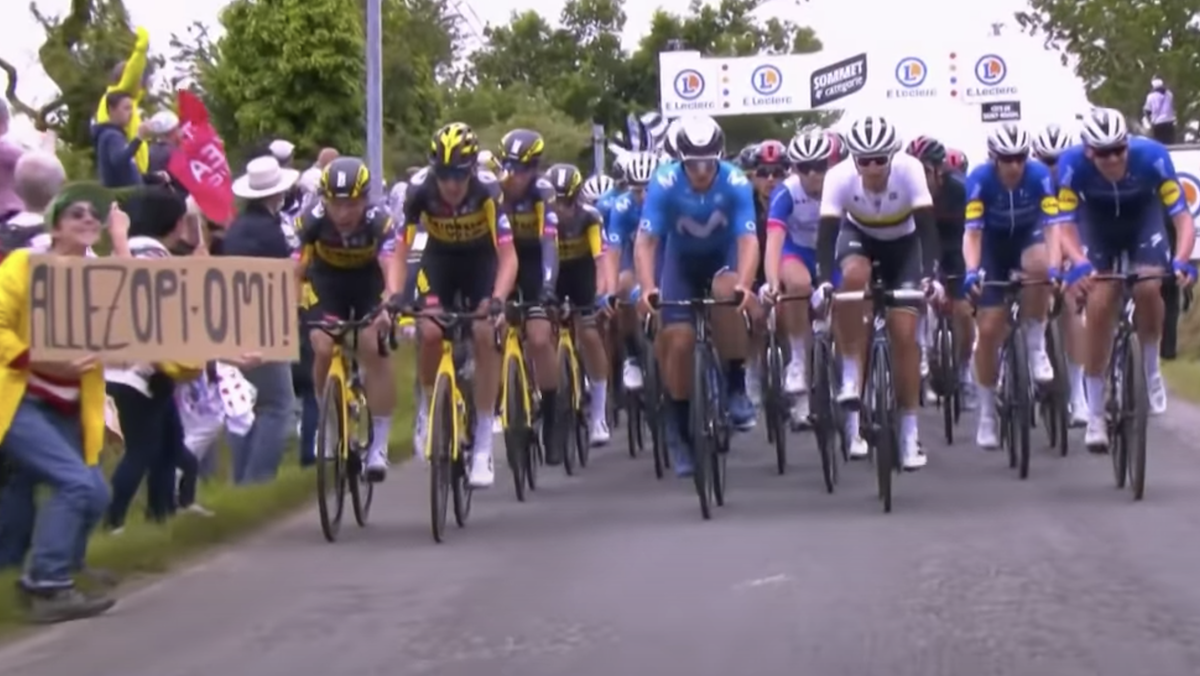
264,178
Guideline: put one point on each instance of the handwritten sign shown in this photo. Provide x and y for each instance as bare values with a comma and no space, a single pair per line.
145,310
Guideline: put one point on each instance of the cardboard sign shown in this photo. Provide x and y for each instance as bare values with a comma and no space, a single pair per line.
144,310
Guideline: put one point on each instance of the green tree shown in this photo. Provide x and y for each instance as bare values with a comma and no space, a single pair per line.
493,111
1118,46
287,68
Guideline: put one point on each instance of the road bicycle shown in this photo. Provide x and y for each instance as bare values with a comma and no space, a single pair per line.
709,426
344,429
571,418
519,404
878,416
1053,406
777,404
828,419
945,369
653,396
638,404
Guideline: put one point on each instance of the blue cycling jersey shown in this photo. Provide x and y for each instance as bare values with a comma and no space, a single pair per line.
605,202
994,208
1149,175
700,222
622,222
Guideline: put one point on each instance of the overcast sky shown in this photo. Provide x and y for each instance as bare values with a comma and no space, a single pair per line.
843,25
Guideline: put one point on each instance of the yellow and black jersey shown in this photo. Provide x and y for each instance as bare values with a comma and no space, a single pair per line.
322,243
477,222
529,212
580,236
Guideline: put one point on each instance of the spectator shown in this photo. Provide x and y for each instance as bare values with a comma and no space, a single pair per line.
37,179
165,129
1159,111
310,180
132,77
116,166
10,152
144,394
257,232
52,430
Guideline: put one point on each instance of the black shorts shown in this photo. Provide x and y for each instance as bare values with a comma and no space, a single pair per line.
899,259
460,279
577,281
342,292
529,274
952,264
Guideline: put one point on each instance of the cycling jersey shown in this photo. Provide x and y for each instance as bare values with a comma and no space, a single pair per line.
620,227
580,237
705,229
885,215
797,214
997,209
324,245
476,223
949,206
607,201
529,213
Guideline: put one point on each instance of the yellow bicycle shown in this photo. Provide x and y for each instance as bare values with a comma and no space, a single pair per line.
518,405
571,416
344,430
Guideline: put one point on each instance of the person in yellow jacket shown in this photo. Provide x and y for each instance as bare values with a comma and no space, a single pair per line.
52,430
130,76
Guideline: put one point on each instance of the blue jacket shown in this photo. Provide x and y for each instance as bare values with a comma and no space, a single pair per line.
115,163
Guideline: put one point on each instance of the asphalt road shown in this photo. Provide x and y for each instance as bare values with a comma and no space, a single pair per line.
974,574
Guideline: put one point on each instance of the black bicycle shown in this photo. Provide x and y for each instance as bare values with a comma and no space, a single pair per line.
878,416
1054,400
635,401
653,398
827,418
777,405
710,428
944,373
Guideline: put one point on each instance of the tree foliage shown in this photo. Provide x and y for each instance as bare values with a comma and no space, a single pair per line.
1119,45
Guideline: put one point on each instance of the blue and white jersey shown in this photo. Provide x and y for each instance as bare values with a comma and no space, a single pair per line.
996,209
796,212
621,225
605,202
1150,175
700,222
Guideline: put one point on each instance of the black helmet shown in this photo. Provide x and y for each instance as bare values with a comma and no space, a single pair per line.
927,149
566,180
745,158
521,146
454,146
345,177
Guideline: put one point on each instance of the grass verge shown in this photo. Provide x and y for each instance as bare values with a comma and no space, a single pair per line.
145,548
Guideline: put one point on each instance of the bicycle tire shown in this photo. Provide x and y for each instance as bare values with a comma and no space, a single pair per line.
441,441
362,492
776,406
719,423
824,423
655,415
1058,415
566,412
1136,416
516,431
633,426
333,477
947,373
702,443
881,415
1021,404
462,491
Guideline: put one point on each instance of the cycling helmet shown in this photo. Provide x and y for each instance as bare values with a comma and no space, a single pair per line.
745,157
1051,142
487,160
620,167
346,178
454,146
521,146
1104,128
596,186
669,146
1008,139
566,179
699,138
872,135
770,153
957,160
927,149
811,146
640,168
841,150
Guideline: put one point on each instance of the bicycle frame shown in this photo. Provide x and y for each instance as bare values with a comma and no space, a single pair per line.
566,340
512,351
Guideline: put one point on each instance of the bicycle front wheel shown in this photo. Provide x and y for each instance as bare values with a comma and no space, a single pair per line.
331,459
1135,415
948,377
824,420
776,405
882,417
567,409
655,415
1056,411
1020,410
702,442
441,448
516,427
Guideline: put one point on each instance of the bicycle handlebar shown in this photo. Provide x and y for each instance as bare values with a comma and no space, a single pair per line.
338,329
894,294
657,302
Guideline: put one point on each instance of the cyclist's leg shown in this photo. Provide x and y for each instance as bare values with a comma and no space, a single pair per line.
626,322
999,256
379,381
676,341
730,336
1070,321
327,300
849,329
795,275
476,288
900,266
1104,242
1152,256
538,344
1035,302
577,281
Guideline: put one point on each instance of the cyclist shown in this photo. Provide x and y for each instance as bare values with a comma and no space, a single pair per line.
878,208
1112,190
956,161
707,205
468,255
527,198
745,158
597,187
949,205
620,230
1048,145
790,260
353,257
582,279
768,166
1012,201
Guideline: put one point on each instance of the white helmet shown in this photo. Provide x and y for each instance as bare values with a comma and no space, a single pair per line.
699,137
640,167
872,135
596,186
1051,141
810,146
1008,139
486,160
1104,128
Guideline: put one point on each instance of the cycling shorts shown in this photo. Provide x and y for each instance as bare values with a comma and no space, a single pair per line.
459,279
338,293
690,275
1000,256
899,259
1141,236
577,281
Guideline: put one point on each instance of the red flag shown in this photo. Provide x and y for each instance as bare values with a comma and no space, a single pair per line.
199,163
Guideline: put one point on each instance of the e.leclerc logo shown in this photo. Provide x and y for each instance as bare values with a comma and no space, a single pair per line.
990,72
1191,192
689,87
911,73
766,81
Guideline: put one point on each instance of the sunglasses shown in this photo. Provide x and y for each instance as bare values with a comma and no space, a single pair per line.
455,174
1110,152
770,172
79,211
1048,161
515,167
700,166
1011,159
812,167
876,161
